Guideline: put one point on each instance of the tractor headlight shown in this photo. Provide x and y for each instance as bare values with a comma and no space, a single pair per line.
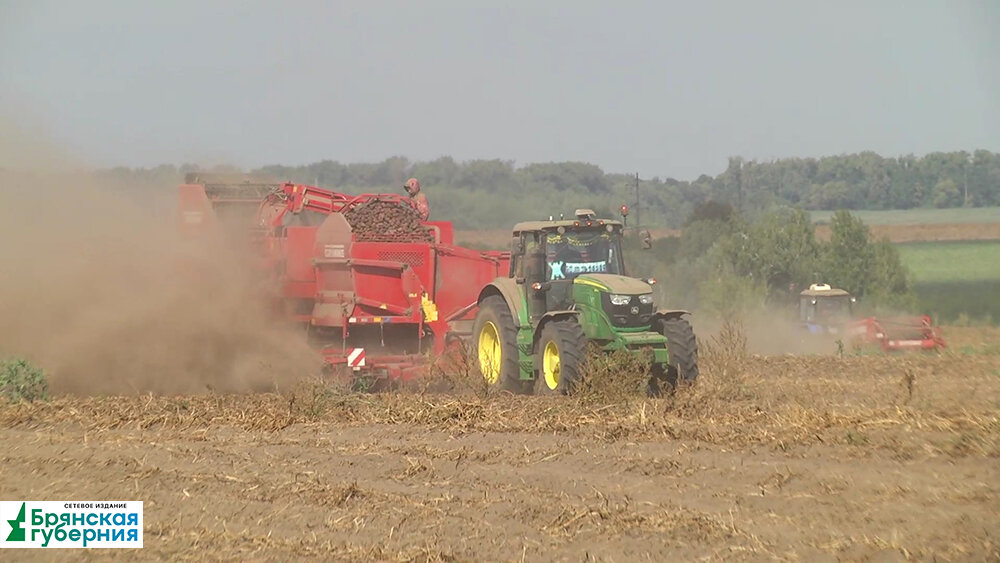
620,299
646,299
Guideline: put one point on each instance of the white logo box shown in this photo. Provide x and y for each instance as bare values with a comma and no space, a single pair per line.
70,524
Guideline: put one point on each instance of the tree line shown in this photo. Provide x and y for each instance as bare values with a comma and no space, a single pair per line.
728,265
496,193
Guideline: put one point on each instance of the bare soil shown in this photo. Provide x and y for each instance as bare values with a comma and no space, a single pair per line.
928,232
766,459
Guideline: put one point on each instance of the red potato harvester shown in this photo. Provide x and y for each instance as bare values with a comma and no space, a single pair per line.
375,287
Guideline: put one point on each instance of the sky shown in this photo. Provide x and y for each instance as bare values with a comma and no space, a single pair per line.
662,88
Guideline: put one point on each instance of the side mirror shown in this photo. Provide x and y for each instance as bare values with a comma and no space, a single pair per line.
516,246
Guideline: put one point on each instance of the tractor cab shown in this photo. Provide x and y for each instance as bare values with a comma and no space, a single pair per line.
560,253
571,247
589,246
825,309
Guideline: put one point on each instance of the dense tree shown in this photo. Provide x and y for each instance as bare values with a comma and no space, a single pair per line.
778,250
848,257
439,172
946,194
778,254
889,282
711,211
699,237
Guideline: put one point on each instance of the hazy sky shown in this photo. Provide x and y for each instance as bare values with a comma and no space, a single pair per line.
661,88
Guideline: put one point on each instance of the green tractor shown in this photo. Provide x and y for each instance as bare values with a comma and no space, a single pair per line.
567,288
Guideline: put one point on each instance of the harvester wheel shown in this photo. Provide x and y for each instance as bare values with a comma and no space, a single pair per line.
561,353
683,349
494,346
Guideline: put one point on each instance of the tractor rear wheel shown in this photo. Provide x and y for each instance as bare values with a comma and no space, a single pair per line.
683,349
561,354
494,347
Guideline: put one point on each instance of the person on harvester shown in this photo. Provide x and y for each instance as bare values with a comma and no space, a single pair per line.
412,187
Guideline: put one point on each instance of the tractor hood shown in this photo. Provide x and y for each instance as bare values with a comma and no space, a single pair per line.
613,283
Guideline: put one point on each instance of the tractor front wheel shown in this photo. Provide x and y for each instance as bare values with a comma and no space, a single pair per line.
683,349
561,352
494,345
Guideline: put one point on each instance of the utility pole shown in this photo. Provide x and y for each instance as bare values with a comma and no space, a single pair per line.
965,202
739,185
968,161
637,222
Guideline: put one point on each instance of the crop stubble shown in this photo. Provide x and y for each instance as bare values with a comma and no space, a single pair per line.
768,458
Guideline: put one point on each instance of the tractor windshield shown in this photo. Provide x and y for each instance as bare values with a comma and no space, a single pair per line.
576,252
826,309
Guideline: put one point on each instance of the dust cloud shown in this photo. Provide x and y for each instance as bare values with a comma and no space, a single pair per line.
771,333
96,288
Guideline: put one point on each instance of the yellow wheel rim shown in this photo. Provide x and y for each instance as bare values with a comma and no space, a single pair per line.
490,354
550,365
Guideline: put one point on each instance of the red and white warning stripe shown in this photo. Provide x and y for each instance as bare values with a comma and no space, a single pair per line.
356,358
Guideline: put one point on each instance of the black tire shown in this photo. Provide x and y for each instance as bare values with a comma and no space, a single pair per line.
570,344
493,311
683,349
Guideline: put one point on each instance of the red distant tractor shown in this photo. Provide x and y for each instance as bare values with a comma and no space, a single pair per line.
827,310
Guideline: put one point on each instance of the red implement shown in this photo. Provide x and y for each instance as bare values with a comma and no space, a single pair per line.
377,288
897,333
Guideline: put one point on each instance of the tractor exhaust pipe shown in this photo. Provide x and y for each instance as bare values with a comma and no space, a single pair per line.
534,273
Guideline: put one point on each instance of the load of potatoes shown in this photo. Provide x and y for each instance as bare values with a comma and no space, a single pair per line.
387,221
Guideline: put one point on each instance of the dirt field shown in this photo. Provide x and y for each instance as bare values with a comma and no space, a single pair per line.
767,459
928,232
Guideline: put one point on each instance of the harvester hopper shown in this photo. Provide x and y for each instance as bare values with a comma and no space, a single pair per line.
376,288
